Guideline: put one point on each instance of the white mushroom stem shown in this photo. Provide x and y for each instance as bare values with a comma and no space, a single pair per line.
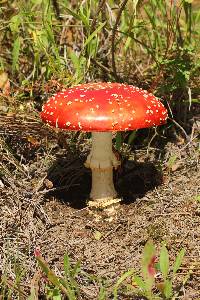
102,185
102,160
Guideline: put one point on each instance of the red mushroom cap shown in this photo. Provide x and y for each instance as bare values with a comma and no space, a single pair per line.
103,107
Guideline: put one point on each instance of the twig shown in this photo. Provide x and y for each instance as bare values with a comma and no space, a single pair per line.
56,9
111,231
100,65
151,140
114,29
130,34
99,8
181,128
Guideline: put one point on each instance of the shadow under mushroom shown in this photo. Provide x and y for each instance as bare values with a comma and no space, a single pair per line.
72,181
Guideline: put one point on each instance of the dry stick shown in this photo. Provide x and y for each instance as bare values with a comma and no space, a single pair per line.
101,66
181,128
99,8
57,9
113,38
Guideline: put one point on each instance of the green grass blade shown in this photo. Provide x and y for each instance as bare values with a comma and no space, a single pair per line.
118,141
92,35
120,281
178,261
102,293
67,267
14,23
139,282
131,137
73,14
70,273
49,273
76,269
164,262
168,289
70,292
75,59
84,15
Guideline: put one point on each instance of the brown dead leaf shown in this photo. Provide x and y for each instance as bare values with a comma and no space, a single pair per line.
11,114
180,141
3,79
4,83
176,166
6,88
48,184
33,140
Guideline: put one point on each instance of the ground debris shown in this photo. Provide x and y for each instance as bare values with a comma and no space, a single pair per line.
42,208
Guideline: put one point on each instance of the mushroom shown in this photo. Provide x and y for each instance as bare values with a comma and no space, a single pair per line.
103,108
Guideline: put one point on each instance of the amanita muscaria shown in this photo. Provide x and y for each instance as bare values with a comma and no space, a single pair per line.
103,108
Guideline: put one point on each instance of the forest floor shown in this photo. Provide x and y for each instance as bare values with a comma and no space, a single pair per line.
43,190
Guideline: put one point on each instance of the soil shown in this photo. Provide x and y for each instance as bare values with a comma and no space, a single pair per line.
44,188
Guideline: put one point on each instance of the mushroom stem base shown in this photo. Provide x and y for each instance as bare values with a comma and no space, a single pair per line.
104,209
103,202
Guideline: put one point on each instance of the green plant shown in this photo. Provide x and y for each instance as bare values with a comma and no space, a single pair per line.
197,198
166,287
39,46
67,284
148,285
153,43
54,287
